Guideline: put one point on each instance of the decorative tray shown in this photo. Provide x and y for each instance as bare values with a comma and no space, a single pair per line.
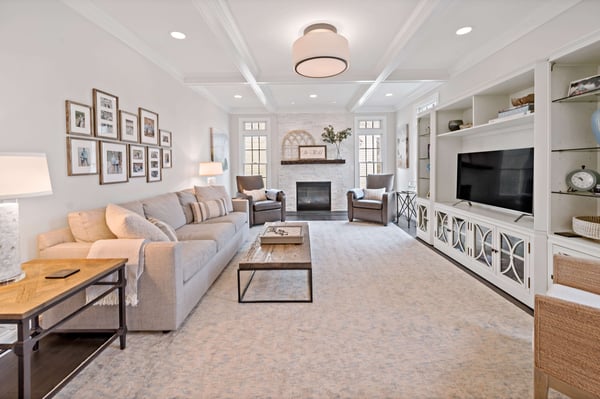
282,235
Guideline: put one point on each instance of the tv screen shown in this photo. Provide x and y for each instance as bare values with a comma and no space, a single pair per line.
498,178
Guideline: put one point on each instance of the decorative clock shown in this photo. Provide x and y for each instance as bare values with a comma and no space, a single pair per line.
582,179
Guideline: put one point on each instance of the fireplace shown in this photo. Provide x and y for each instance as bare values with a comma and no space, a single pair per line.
313,196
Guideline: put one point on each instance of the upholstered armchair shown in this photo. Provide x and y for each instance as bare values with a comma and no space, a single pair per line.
376,202
265,205
567,330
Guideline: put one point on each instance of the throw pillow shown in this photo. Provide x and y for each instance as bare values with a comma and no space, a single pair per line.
208,193
374,193
272,194
165,228
257,195
89,226
128,224
208,209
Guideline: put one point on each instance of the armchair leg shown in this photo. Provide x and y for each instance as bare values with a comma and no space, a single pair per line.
540,384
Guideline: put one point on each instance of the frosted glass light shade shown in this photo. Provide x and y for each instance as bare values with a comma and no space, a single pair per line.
321,52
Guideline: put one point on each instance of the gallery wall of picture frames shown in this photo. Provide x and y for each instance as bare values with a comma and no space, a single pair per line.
115,144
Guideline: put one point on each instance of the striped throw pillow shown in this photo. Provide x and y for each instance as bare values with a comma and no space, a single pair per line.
208,209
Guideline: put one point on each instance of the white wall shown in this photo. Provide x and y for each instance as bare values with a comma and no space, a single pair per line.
50,54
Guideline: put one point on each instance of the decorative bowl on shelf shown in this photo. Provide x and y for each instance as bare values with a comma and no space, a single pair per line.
455,124
587,226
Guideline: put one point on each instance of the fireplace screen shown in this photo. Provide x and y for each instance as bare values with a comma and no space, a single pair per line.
313,196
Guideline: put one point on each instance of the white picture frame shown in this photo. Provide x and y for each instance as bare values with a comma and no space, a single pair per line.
137,161
113,162
128,127
106,116
82,157
79,118
148,125
153,165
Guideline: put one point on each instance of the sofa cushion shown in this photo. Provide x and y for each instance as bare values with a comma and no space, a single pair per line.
257,195
219,232
128,224
207,193
165,207
89,226
195,255
374,193
208,209
135,206
369,204
186,198
266,205
165,228
238,219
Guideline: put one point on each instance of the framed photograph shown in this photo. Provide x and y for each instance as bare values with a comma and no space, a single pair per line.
82,157
148,126
585,85
137,161
113,162
106,120
128,127
167,159
402,147
312,152
219,148
165,138
153,164
79,118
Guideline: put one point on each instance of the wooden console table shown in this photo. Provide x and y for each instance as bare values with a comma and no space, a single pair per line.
23,302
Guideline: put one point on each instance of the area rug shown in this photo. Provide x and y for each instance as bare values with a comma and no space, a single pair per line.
390,319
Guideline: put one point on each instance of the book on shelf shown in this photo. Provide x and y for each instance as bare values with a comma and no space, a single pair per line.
518,110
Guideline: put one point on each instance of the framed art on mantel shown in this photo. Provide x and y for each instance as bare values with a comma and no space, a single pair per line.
128,127
106,117
113,162
79,118
82,157
148,126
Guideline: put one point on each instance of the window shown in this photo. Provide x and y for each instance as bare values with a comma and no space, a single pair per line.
370,140
254,149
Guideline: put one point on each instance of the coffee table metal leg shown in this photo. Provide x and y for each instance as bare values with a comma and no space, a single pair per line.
310,287
122,332
241,295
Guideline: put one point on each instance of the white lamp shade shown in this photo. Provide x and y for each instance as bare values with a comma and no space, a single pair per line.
210,169
321,52
24,175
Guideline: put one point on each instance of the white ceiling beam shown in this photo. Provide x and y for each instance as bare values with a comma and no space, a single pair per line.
218,18
393,56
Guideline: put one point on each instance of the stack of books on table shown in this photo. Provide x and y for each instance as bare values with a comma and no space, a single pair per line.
282,235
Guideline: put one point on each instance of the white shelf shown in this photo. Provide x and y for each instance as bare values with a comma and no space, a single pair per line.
493,127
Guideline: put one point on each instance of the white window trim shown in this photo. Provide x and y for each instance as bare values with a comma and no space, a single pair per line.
357,132
244,133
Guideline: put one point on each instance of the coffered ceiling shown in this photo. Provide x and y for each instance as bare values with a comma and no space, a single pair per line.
399,49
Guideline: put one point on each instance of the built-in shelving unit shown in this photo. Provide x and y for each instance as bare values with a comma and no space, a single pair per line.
424,202
572,144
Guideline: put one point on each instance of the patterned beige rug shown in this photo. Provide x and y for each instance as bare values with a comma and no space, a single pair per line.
390,319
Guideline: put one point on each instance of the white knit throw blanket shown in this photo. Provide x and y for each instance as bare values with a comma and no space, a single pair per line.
133,250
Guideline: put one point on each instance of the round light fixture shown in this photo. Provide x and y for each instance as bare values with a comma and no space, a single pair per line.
464,30
313,96
177,35
321,52
389,94
238,96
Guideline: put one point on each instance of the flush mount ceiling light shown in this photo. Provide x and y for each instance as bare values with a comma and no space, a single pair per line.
238,96
464,30
321,52
177,35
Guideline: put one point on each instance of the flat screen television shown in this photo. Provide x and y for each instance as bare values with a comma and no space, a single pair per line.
501,178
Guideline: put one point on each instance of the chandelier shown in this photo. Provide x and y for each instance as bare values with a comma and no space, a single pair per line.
321,52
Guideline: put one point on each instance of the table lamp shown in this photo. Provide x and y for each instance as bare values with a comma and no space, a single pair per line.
211,169
21,176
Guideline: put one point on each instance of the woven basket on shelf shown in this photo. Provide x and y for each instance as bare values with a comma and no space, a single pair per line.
587,226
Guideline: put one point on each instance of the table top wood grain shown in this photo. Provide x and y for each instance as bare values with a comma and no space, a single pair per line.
279,256
29,296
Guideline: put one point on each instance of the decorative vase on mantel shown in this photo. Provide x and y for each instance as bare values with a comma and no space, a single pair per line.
330,136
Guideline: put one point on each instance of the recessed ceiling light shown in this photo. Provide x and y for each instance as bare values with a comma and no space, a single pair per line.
313,96
238,96
389,94
464,30
178,35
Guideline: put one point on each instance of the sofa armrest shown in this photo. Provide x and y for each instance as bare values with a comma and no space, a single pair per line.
240,205
163,275
54,237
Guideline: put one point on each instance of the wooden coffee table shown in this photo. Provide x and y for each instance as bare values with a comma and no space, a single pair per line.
277,257
22,303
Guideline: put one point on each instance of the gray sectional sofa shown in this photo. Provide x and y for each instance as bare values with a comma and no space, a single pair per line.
176,273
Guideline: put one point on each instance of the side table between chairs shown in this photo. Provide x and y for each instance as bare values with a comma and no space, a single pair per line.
406,204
